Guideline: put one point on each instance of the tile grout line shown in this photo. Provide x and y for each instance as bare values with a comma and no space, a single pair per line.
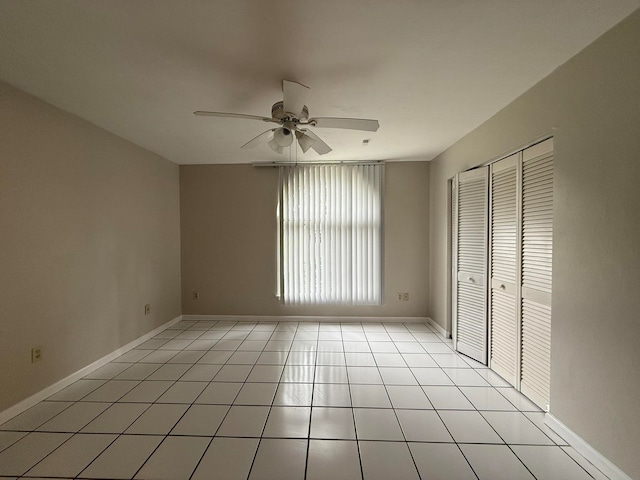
353,413
496,432
255,455
490,425
313,391
496,389
195,469
395,413
164,437
150,405
448,430
121,433
72,433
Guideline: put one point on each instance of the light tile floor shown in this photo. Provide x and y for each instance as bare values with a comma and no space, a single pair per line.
225,400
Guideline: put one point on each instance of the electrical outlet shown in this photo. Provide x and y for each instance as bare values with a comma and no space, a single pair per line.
36,354
196,295
400,296
147,309
405,297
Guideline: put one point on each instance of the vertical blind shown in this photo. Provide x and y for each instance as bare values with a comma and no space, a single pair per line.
331,234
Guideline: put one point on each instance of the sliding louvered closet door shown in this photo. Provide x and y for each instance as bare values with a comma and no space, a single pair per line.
520,255
537,250
517,212
470,259
504,268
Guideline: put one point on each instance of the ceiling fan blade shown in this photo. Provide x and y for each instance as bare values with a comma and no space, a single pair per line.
257,139
348,123
304,140
233,115
294,95
318,145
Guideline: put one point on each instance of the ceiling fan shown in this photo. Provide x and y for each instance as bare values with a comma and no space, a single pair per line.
291,114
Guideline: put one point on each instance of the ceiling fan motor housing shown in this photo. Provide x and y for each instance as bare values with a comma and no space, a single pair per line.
277,112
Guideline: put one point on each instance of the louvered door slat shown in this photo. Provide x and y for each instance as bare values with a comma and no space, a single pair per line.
537,253
536,353
537,222
504,223
503,261
471,262
504,335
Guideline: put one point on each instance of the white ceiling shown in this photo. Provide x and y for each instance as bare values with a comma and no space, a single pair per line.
429,70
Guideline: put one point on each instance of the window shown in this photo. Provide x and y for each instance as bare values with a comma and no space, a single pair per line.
330,234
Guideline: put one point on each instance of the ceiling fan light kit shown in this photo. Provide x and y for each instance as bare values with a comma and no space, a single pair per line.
275,147
282,136
291,113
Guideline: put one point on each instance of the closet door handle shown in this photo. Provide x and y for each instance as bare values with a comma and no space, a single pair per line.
503,286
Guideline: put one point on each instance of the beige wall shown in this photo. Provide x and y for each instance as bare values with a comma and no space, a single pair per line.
593,102
89,233
228,221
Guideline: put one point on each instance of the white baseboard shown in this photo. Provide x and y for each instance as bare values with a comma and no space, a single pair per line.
29,402
441,331
587,451
305,318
